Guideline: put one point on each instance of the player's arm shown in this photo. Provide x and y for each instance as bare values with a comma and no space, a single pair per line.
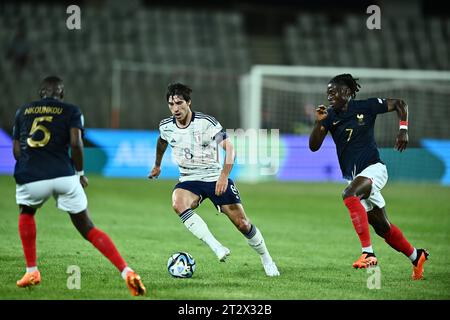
76,146
401,108
161,146
230,155
16,149
16,137
319,132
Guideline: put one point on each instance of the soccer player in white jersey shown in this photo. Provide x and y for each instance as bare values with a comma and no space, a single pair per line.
195,138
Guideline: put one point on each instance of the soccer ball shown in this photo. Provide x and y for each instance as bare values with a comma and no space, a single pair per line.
181,265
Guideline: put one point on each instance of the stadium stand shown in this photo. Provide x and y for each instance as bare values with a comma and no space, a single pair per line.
405,43
212,41
212,46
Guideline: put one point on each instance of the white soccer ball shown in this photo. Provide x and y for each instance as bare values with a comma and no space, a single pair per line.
181,265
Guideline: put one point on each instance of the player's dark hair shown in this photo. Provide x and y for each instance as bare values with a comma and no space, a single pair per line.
348,80
52,87
178,89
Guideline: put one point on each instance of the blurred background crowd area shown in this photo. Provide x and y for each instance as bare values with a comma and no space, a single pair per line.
206,44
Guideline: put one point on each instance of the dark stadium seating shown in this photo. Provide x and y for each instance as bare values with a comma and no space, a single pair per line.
206,48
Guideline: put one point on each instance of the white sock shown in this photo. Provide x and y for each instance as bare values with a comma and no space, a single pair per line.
125,271
256,241
31,269
198,227
368,249
413,256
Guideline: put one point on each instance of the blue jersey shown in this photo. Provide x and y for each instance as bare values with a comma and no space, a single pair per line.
353,134
43,130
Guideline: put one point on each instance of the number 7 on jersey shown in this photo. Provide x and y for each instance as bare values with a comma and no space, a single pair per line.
350,131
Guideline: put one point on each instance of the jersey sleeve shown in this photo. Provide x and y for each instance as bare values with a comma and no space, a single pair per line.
220,136
162,132
77,119
375,106
215,130
16,127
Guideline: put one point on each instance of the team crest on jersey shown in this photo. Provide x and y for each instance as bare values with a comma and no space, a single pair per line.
360,118
197,137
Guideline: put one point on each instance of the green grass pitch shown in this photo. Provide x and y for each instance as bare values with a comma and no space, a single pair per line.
306,227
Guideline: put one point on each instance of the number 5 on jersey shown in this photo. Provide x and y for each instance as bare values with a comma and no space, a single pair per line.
37,126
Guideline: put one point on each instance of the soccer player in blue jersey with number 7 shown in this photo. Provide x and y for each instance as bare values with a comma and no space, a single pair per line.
351,124
43,132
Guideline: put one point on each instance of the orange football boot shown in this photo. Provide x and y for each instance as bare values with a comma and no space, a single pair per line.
366,260
29,279
135,284
422,256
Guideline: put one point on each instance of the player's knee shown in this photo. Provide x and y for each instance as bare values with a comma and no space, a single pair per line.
243,225
347,193
27,210
179,207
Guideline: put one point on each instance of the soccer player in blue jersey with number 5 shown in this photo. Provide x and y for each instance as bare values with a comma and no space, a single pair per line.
43,132
351,124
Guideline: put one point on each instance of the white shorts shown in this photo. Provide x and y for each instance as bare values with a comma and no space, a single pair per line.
378,174
67,191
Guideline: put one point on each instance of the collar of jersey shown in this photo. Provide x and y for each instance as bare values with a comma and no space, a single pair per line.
192,120
346,113
49,98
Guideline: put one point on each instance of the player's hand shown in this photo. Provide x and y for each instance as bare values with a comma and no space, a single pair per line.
221,185
84,181
154,174
321,112
402,140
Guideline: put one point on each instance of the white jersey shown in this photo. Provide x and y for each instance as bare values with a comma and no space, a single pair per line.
195,148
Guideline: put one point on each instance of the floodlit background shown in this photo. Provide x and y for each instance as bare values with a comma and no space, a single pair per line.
252,65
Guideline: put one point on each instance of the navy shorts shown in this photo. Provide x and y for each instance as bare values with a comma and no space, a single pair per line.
208,190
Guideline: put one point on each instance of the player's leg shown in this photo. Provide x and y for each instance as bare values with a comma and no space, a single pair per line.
358,189
184,200
29,197
103,243
379,221
27,231
394,237
98,238
235,212
70,197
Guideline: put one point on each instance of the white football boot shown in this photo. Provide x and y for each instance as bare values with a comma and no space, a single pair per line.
222,253
270,268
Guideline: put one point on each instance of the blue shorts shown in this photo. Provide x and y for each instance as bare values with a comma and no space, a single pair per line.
208,190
